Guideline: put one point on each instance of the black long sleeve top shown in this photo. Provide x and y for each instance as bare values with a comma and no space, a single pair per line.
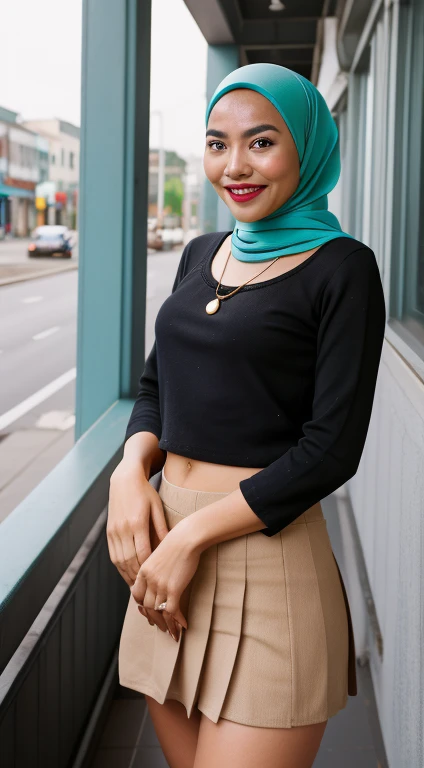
282,377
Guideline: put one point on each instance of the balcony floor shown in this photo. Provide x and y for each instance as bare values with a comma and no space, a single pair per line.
351,739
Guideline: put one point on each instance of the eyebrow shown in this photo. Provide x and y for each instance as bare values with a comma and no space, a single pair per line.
245,134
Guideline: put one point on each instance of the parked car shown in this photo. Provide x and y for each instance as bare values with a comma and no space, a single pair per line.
51,240
154,239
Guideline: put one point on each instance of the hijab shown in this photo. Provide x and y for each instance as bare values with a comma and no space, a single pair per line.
304,221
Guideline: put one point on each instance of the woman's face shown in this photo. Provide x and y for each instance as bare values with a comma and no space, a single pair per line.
248,145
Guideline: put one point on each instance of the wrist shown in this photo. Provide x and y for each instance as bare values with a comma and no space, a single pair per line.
192,535
131,465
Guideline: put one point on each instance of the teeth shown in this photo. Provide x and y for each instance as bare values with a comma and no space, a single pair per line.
244,191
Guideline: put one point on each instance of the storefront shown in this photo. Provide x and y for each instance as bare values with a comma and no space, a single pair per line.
17,210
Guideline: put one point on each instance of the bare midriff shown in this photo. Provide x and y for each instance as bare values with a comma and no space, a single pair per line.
204,476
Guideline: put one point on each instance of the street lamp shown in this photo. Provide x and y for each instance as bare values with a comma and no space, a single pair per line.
161,169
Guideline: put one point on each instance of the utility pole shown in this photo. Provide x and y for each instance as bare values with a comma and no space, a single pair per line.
161,170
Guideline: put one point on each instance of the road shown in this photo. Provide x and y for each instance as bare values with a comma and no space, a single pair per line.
38,326
16,265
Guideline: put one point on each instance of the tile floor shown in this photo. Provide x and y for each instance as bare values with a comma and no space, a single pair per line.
351,740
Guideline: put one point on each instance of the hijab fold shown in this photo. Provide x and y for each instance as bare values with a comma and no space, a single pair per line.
304,221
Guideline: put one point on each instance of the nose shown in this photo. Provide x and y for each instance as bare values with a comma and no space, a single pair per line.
237,164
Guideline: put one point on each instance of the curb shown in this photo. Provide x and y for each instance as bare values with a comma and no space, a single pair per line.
34,275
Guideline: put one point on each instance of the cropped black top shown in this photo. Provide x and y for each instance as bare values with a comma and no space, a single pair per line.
281,377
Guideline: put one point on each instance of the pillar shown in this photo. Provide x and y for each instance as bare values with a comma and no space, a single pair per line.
112,204
215,215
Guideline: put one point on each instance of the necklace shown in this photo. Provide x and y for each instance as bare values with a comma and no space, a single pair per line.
213,306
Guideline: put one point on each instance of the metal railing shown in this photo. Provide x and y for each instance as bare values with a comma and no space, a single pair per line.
62,603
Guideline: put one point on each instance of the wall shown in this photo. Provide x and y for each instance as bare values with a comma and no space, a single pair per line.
380,140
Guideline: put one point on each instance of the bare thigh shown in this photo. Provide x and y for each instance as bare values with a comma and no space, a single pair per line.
176,732
226,744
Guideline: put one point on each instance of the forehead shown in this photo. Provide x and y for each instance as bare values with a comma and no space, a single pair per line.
247,104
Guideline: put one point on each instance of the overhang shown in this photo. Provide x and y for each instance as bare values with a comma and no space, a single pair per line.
290,36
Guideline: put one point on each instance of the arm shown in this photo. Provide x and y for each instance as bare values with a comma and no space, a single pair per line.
145,415
349,343
136,521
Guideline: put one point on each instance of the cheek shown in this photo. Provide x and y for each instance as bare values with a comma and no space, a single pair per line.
279,167
213,167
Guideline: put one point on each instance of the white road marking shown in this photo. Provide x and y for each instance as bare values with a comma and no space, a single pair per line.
62,420
32,299
44,334
38,397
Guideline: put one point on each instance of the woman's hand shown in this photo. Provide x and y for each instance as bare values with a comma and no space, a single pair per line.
136,520
166,573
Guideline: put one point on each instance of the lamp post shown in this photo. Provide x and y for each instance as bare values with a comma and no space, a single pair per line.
161,170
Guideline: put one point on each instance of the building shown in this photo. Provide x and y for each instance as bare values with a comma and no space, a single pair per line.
59,629
23,164
61,200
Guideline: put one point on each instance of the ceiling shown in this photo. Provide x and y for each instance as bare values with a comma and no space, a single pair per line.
290,37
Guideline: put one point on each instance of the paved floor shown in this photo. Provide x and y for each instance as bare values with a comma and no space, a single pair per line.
351,739
16,265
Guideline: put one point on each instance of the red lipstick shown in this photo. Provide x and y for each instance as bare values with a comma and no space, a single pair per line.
244,197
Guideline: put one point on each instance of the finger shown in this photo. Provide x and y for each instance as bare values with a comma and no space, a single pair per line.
144,613
173,607
130,557
111,548
114,559
138,590
142,546
149,599
121,561
160,598
157,618
173,626
159,521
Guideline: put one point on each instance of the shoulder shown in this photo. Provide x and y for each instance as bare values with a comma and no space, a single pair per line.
352,276
346,260
201,246
348,254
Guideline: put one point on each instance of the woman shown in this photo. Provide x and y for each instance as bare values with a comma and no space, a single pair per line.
255,403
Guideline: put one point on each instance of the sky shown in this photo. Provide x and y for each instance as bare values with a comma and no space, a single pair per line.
40,66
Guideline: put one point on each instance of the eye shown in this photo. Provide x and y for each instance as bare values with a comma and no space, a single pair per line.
268,142
212,143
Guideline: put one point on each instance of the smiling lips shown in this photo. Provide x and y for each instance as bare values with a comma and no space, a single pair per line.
243,192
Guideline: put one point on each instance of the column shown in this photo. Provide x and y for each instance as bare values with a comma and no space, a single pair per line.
112,204
215,215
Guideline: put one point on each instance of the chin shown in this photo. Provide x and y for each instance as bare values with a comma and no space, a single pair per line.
248,216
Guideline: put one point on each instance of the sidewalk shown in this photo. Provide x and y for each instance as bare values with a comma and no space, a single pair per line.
14,273
16,265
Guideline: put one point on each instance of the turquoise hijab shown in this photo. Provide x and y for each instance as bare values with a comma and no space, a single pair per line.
304,221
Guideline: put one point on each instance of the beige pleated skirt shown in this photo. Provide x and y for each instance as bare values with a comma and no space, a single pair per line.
269,640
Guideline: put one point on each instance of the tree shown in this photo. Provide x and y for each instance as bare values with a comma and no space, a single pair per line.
174,195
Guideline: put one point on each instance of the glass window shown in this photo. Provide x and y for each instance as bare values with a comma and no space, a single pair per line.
407,277
71,159
63,157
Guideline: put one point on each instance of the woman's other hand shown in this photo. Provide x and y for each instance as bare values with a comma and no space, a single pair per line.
136,520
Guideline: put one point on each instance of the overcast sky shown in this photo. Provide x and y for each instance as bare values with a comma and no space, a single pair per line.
40,66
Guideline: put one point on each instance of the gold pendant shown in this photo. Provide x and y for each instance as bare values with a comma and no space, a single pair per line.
212,306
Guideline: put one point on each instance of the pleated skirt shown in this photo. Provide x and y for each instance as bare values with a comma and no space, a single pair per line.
269,640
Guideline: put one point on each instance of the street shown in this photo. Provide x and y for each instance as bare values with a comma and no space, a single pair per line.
38,325
16,265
